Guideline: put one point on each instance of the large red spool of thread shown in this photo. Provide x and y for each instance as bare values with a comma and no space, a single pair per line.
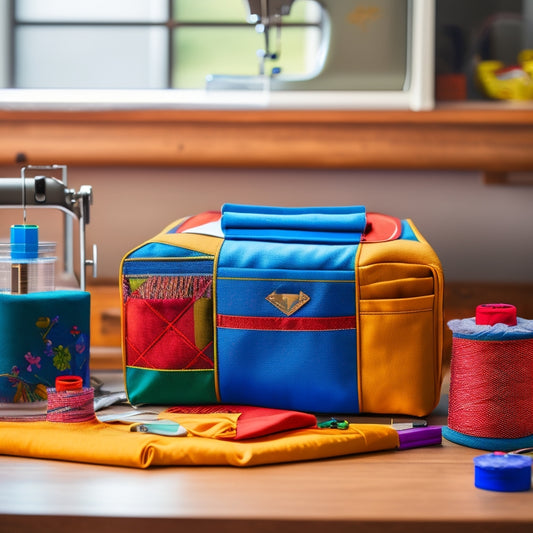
491,379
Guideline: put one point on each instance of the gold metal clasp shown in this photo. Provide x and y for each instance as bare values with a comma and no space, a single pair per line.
288,303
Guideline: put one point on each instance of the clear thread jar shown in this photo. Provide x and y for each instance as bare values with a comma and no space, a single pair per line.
27,265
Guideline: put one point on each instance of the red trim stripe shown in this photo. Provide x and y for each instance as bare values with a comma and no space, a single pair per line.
195,221
286,323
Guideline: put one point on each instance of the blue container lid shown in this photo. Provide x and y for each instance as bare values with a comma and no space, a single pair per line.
503,472
24,241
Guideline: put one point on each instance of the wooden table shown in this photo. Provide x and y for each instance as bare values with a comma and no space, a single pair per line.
426,489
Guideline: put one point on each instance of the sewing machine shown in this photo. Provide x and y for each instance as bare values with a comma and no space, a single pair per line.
46,187
376,51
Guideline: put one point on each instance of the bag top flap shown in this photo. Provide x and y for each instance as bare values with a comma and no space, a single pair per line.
328,225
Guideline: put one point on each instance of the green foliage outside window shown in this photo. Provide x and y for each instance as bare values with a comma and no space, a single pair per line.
229,45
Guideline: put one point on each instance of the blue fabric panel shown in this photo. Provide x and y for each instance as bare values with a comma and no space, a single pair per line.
267,255
285,274
307,371
181,268
286,224
407,232
276,210
157,249
292,236
303,370
248,297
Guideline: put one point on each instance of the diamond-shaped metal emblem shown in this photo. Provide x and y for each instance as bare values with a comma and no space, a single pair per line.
288,303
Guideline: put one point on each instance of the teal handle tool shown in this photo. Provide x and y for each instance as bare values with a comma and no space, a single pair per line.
160,427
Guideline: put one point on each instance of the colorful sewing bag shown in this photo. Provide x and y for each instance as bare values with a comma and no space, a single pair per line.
325,310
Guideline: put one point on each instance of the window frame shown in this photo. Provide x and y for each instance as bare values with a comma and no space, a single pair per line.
419,95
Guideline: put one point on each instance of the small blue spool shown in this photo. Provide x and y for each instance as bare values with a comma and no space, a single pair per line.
503,472
24,242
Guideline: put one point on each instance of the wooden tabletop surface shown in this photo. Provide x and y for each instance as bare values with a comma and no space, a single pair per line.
425,489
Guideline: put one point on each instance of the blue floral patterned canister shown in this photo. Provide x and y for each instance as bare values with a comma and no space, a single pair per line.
42,335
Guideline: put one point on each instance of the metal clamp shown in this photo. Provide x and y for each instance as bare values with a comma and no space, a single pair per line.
45,191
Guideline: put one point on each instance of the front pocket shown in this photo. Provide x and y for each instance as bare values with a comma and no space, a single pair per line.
397,358
272,355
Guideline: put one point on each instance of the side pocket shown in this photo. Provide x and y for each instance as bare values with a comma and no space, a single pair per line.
405,288
397,355
160,334
168,339
395,280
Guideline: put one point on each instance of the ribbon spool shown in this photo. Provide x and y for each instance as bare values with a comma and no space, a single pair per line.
491,380
70,401
502,472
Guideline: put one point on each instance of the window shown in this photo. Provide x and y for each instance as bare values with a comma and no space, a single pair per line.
147,44
136,53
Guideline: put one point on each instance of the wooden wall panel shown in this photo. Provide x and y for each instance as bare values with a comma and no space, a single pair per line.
492,140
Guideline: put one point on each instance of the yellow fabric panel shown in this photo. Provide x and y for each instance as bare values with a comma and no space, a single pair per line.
400,326
173,224
203,322
408,288
399,251
108,444
398,359
373,273
205,244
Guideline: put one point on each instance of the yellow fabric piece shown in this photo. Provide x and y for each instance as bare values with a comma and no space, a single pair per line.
203,322
206,244
212,425
108,444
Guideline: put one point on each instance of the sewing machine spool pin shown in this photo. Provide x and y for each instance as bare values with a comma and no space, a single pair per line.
266,14
45,191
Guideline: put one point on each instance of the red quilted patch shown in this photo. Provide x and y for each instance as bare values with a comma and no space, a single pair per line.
160,335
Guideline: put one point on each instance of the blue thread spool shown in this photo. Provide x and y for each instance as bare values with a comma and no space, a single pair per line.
503,472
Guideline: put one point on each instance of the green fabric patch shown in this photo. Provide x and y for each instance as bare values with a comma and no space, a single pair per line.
170,387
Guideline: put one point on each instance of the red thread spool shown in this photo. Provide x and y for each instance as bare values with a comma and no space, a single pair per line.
491,314
70,401
491,388
491,385
68,383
